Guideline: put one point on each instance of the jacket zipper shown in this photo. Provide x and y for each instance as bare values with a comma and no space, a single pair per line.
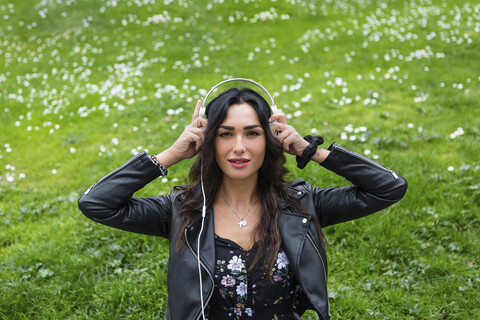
203,266
342,149
113,172
323,265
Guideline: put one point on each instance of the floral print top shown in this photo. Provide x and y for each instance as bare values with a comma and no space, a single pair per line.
239,294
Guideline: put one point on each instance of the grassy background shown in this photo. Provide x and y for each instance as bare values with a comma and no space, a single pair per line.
86,84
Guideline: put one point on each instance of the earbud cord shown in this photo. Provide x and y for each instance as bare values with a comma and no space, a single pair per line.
204,210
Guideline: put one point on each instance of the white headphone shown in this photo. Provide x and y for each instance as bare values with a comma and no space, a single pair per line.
203,108
201,114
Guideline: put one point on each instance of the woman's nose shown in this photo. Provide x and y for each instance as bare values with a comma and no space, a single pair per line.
239,145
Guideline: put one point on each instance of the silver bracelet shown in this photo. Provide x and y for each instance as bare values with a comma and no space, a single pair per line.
161,167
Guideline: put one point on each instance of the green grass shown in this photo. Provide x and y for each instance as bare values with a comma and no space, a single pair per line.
403,74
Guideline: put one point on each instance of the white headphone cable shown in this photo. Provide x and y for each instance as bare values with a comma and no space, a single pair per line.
204,210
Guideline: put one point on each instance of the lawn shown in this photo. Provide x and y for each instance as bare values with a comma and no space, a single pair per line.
84,85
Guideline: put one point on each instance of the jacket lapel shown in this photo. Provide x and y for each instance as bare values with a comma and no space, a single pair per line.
294,228
207,240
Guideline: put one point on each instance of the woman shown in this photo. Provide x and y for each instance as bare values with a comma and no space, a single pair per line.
262,250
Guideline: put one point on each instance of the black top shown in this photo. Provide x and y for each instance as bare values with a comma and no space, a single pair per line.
239,294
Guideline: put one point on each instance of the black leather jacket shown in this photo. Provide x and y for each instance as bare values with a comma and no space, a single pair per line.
110,202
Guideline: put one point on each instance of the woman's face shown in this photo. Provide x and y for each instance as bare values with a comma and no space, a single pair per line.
240,143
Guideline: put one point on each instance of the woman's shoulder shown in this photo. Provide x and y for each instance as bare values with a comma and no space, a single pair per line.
179,191
183,192
298,187
297,182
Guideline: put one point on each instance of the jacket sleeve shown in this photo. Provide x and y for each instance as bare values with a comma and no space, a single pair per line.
375,187
110,201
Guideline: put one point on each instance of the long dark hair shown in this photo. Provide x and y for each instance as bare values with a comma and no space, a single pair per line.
271,185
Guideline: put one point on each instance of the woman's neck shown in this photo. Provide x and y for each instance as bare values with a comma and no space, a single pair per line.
239,193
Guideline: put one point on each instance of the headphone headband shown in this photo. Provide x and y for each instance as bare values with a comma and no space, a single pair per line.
272,103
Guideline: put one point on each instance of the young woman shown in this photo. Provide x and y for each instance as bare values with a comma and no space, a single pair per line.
258,252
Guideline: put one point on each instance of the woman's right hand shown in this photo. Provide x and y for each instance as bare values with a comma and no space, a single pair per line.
189,142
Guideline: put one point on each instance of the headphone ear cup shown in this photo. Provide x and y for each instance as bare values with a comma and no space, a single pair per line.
274,109
201,113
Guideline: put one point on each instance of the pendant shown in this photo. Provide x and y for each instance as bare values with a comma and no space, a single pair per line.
242,223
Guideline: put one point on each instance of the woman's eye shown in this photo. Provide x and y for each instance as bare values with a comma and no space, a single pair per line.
224,134
253,133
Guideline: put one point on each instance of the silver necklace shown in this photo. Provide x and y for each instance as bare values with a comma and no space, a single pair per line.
242,223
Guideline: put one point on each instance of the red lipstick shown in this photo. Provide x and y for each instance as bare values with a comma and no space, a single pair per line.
238,162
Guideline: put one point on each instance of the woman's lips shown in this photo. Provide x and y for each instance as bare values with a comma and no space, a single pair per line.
238,162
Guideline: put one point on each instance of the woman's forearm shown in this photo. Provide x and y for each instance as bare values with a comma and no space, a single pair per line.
320,155
168,158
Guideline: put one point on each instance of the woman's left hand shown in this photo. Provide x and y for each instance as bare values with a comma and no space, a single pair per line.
293,143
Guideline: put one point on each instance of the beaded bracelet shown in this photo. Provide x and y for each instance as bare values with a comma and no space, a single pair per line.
309,151
161,167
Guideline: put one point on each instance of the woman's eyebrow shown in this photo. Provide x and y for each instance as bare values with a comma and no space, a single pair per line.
252,126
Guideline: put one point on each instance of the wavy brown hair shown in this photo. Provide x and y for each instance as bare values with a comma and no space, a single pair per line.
271,185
